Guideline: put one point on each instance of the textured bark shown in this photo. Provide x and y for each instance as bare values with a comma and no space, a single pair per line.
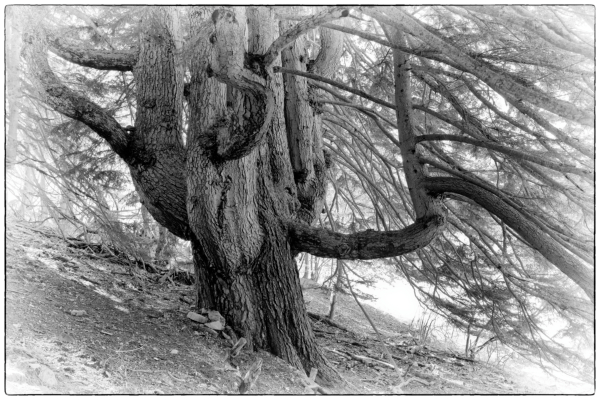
303,145
365,245
69,103
548,247
250,178
334,291
157,153
303,119
288,36
424,205
114,60
235,205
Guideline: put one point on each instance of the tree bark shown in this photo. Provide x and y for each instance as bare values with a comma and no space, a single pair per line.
334,291
235,204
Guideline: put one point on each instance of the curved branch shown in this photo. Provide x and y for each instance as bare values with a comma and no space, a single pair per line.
70,103
539,241
365,245
111,60
508,151
327,61
331,14
229,138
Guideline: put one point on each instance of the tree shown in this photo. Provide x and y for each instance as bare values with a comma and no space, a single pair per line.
235,134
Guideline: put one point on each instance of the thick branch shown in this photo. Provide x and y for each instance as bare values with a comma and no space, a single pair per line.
530,232
288,37
233,137
114,60
365,245
70,103
557,166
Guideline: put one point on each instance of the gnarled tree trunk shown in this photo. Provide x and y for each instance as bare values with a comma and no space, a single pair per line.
237,205
249,179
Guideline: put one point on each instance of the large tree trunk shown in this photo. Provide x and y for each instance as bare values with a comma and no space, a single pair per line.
236,204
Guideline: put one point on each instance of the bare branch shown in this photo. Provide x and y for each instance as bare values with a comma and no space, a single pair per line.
537,26
529,231
365,245
336,84
557,166
501,83
71,104
288,37
113,60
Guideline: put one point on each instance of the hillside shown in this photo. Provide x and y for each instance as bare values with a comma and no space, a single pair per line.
78,324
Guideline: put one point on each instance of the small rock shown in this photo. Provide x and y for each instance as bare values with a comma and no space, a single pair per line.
47,376
78,313
216,325
197,317
214,316
154,391
174,351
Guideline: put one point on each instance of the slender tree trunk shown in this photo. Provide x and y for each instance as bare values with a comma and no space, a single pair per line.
160,243
306,265
335,289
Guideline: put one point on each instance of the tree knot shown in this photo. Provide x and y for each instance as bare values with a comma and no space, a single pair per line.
343,250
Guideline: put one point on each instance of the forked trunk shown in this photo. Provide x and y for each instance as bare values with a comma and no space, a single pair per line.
249,270
239,195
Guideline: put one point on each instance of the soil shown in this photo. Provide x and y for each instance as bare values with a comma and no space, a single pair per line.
77,323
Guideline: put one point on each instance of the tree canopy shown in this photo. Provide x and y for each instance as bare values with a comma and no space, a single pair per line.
456,142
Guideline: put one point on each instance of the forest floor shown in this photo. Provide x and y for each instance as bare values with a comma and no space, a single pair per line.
78,324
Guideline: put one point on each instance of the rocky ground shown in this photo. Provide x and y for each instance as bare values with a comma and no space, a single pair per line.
77,323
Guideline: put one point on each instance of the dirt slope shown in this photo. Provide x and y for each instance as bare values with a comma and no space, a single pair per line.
77,324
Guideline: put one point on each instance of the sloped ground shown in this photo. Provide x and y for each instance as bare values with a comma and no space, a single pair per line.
76,324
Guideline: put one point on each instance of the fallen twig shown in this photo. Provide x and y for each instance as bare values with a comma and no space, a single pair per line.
309,382
89,280
324,319
251,377
177,379
368,360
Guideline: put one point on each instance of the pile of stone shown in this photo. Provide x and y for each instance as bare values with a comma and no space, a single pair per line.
210,319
